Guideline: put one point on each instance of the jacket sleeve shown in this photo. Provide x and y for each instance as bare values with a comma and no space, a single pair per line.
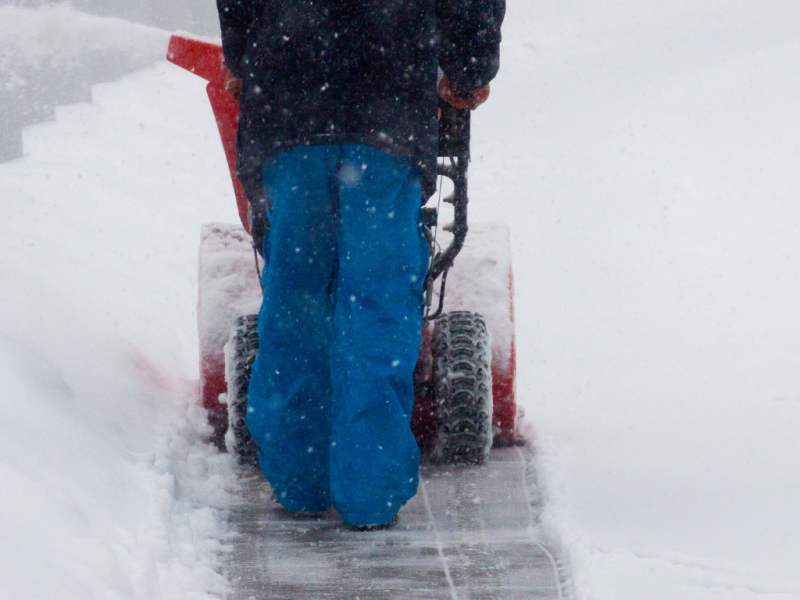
235,22
469,41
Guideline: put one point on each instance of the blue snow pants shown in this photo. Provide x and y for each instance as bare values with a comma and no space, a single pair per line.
331,390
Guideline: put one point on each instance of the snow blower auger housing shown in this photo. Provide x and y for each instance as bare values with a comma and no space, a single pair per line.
465,376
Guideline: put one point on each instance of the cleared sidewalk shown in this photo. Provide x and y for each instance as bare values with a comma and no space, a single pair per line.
469,533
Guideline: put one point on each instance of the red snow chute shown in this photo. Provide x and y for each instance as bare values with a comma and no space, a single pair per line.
205,60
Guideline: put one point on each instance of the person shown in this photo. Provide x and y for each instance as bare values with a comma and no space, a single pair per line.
338,103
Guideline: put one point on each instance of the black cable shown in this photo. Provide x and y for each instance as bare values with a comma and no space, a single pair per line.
260,282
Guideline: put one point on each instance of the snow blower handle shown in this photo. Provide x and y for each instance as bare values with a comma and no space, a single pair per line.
454,133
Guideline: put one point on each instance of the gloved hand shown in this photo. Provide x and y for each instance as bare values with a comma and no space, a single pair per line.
233,86
471,101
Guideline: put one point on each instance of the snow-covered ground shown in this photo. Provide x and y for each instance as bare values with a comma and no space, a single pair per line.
108,489
646,158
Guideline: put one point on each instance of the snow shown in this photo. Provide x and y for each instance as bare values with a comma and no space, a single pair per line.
229,283
52,55
199,38
645,157
57,36
109,488
480,281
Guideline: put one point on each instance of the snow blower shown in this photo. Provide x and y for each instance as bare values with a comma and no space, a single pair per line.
465,375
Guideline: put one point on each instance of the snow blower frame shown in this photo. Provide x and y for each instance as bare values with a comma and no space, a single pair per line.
465,377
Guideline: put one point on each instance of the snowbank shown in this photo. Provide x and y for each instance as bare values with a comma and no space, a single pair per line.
645,157
109,489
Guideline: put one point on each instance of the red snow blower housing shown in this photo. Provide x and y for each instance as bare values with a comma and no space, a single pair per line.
465,376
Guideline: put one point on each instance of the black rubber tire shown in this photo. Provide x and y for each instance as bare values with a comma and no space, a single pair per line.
462,375
240,353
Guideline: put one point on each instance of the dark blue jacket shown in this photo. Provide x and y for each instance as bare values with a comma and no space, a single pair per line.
353,71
